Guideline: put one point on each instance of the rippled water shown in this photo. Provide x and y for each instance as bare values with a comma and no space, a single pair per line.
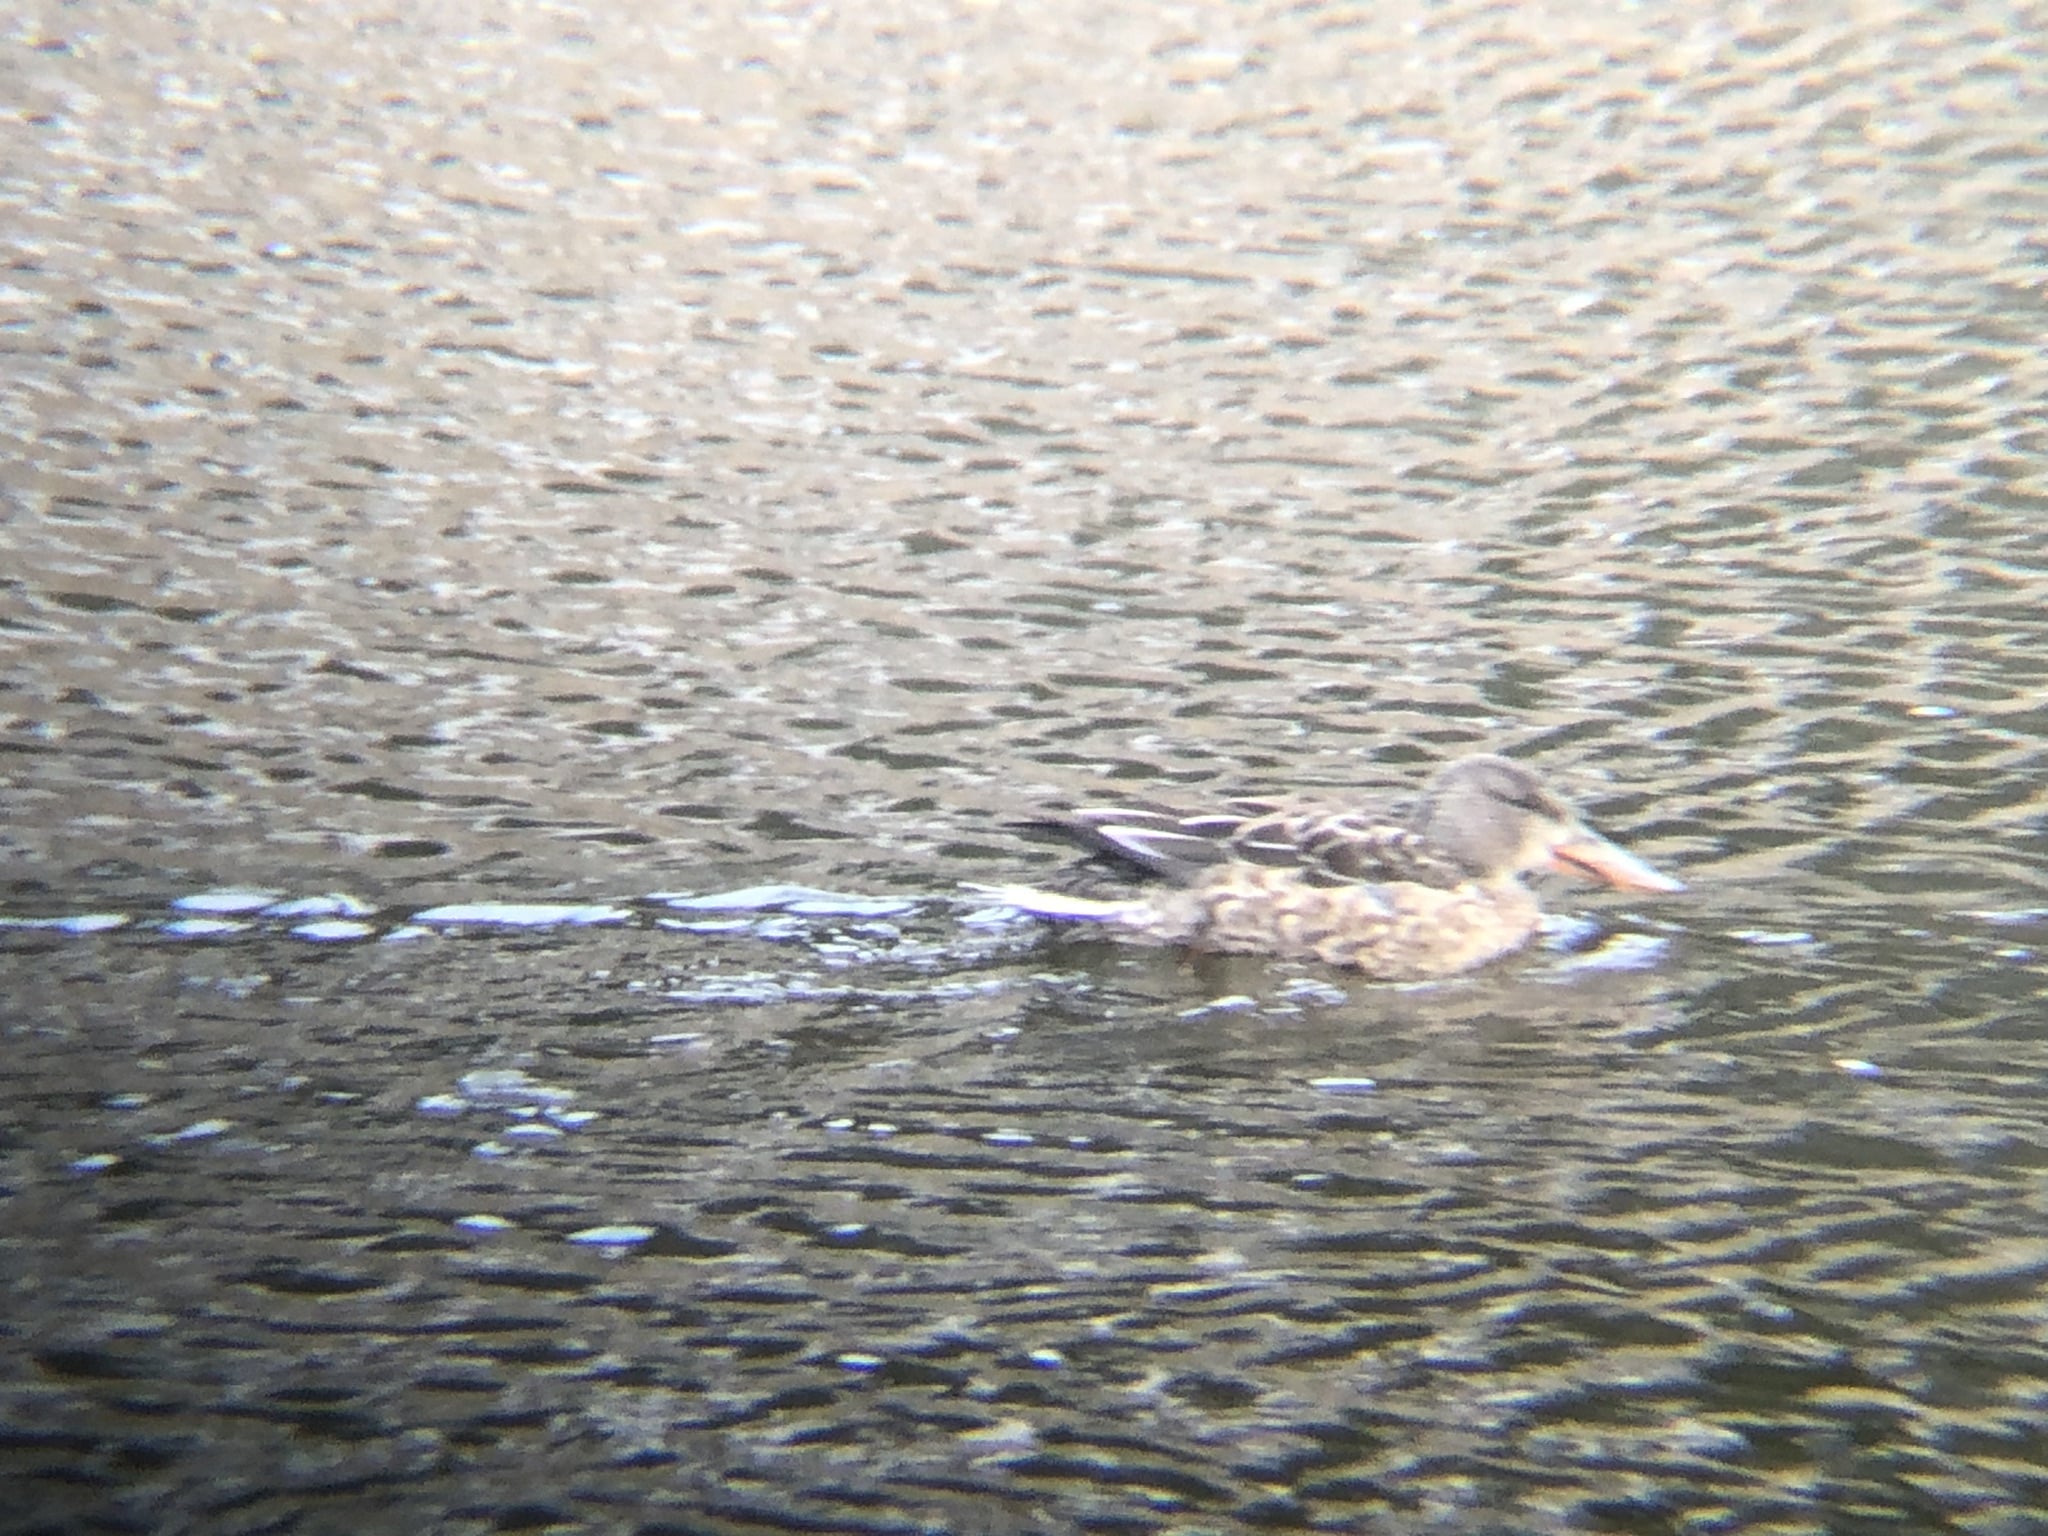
541,549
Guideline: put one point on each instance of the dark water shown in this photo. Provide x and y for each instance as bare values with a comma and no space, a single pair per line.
564,465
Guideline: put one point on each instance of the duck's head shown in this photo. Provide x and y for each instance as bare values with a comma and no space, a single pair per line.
1498,820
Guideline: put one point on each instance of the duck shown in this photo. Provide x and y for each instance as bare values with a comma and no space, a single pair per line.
1415,897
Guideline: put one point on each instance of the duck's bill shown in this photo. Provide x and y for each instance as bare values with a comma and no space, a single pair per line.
1594,857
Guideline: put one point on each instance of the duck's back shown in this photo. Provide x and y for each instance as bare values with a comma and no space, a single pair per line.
1321,843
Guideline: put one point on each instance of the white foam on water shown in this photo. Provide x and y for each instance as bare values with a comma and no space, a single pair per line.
332,930
229,900
519,914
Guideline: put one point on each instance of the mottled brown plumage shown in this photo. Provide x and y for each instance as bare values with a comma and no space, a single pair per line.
1399,898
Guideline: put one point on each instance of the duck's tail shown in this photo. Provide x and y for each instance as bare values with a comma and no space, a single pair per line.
1057,906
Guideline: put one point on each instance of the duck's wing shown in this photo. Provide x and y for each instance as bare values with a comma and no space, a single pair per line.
1328,845
1154,838
1340,847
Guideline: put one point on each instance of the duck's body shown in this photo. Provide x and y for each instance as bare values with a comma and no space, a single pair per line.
1399,898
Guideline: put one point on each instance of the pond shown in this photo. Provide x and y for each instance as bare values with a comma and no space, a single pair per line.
545,555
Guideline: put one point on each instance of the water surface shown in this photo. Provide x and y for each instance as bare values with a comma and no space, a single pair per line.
541,550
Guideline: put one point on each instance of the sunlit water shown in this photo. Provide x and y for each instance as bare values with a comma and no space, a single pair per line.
542,550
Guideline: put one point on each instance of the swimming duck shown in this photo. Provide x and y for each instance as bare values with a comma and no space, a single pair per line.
1399,898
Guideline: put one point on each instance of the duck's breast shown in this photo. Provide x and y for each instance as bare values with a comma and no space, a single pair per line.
1435,932
1393,931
